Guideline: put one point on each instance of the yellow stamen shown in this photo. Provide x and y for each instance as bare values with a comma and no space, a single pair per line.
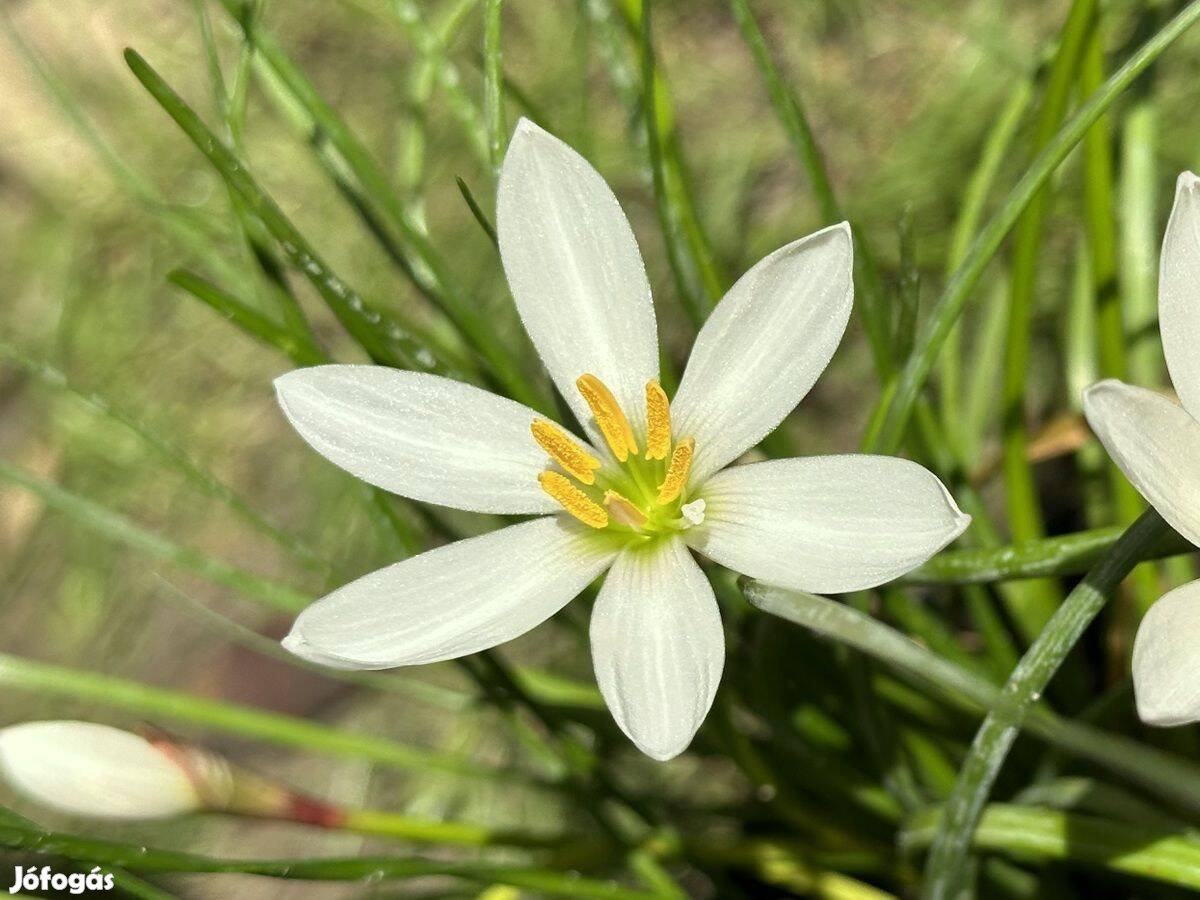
564,451
677,471
623,511
609,418
658,417
573,500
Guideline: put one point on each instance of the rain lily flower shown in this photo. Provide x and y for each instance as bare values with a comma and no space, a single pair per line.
85,769
647,481
1156,443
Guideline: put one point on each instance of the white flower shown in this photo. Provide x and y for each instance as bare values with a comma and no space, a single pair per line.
1156,443
647,484
85,769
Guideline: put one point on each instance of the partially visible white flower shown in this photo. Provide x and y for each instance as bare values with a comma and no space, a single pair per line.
648,483
1156,443
85,769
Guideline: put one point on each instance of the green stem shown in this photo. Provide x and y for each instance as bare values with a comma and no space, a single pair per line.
946,866
1068,554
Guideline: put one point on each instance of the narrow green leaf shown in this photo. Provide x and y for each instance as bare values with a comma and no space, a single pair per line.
179,460
493,84
893,412
360,868
383,340
1022,503
789,110
477,212
115,527
247,318
1173,779
966,226
161,704
1025,832
454,301
697,297
945,868
1067,554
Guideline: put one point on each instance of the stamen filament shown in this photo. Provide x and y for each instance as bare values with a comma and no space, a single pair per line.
623,511
573,500
608,415
677,471
565,451
658,418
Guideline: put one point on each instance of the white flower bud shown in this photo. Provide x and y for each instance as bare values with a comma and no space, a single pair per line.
85,769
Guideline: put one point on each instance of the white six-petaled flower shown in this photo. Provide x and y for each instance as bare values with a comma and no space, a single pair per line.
648,483
1156,443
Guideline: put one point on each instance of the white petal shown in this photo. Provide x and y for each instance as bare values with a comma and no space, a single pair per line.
453,600
1156,443
575,272
826,524
1166,659
1179,292
85,769
657,646
421,436
764,346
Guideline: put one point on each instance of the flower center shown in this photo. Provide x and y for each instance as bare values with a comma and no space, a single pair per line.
644,494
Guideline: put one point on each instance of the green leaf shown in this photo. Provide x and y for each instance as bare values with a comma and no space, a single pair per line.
359,868
437,282
1067,554
493,84
160,704
115,527
892,414
945,868
1028,832
383,340
1172,779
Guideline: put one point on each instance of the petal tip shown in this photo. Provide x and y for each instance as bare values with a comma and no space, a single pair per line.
1187,181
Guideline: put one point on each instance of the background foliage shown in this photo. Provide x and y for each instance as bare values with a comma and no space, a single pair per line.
160,520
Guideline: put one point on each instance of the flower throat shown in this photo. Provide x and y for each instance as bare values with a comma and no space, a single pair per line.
644,493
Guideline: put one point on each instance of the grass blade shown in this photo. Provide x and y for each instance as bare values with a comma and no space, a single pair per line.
1173,779
945,867
892,414
1047,834
1067,554
115,527
162,704
493,85
383,340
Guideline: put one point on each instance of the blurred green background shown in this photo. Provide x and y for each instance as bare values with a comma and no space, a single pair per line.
102,197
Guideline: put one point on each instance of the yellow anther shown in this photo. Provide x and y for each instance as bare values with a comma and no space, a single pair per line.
609,418
623,511
658,418
573,500
563,450
677,471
